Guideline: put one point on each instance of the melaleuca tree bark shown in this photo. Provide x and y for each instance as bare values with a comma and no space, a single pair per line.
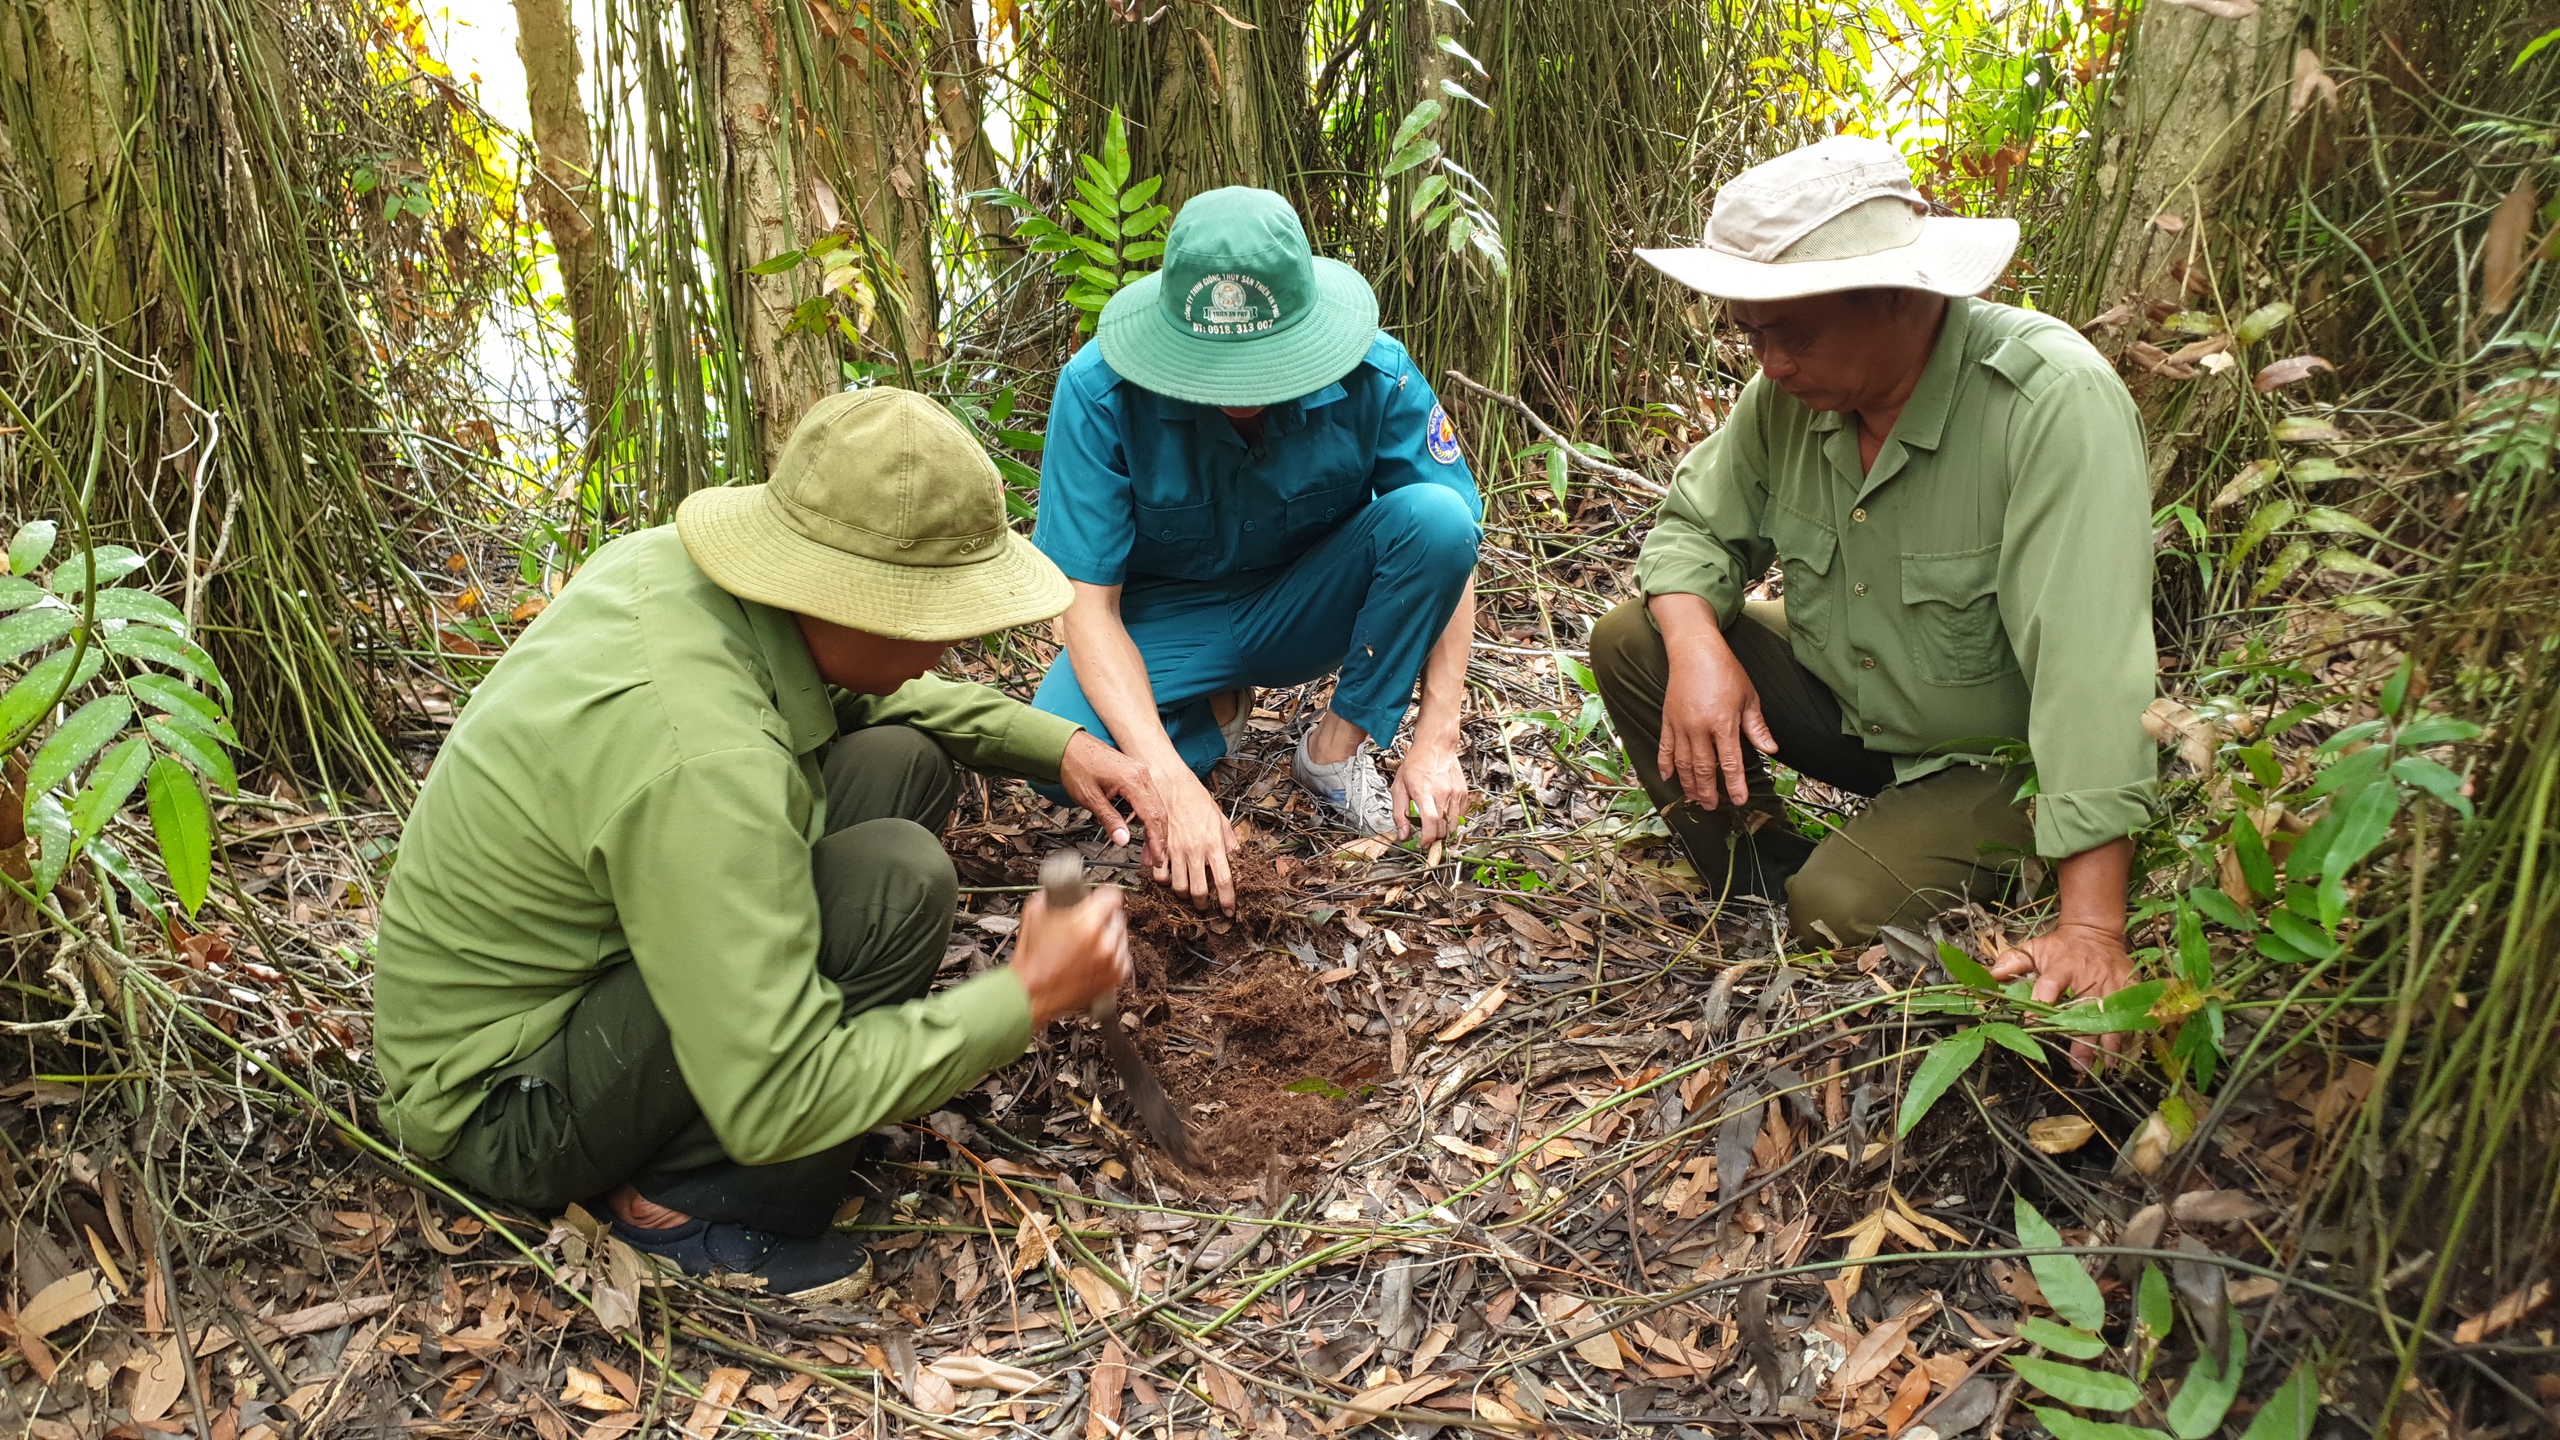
768,202
567,196
959,106
882,155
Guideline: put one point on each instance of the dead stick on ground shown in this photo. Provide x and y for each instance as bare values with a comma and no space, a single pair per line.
1572,453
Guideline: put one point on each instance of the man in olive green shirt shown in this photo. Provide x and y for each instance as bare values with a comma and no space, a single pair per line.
1956,494
666,912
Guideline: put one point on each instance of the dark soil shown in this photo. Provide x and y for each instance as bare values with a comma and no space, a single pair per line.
1230,1021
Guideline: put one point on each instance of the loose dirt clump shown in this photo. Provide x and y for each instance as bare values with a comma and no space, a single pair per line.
1230,1024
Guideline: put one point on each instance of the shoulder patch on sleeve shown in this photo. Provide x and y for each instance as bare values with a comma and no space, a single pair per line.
1441,436
2017,361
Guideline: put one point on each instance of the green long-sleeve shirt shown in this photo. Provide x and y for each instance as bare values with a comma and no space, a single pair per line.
637,782
1989,579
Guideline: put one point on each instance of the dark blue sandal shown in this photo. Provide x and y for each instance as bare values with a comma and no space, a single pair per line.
813,1269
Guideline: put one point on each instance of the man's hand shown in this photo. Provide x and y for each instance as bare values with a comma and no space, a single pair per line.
1070,958
1197,845
2072,961
1432,786
1101,779
1708,708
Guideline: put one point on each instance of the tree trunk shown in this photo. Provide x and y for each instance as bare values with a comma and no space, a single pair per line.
767,196
960,103
571,204
885,158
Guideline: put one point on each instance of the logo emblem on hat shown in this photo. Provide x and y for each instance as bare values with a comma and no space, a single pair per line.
1231,307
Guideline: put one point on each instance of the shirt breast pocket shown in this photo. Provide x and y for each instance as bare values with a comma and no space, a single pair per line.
1806,552
1176,541
1954,602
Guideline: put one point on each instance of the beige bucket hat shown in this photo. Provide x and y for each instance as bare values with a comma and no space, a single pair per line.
1840,214
882,514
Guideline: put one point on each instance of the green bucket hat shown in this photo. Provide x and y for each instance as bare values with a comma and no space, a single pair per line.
1242,312
882,514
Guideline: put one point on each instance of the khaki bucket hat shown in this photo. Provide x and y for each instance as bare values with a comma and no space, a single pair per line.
883,514
1840,214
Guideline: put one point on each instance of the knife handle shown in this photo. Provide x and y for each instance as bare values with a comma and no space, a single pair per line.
1062,884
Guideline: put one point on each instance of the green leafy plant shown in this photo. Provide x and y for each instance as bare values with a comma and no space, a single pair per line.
1447,197
2204,1395
116,664
1947,1059
1120,225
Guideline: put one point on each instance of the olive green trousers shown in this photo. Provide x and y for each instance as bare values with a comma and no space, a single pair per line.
1915,850
602,1103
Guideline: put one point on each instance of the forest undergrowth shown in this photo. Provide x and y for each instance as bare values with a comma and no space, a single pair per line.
1518,1133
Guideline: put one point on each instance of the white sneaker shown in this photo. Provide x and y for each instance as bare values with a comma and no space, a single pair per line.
1350,786
1233,726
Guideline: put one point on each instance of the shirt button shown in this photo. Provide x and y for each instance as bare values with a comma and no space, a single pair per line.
1875,729
1248,524
1868,663
1165,535
1328,512
1858,589
1858,514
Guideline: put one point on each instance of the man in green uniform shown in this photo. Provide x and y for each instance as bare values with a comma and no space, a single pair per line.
668,907
1956,494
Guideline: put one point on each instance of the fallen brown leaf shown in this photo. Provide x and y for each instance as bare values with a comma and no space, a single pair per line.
2061,1134
2502,249
76,1296
2510,1308
720,1390
2310,82
2291,370
1477,1012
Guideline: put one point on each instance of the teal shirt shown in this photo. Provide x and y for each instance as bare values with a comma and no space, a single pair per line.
637,783
1136,486
1988,579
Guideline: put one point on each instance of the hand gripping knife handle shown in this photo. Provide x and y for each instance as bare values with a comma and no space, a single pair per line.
1062,883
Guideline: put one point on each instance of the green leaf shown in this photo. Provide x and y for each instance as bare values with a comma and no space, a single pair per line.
71,744
111,782
2205,1396
1430,190
2258,324
1456,91
50,825
1100,197
1559,477
2290,1412
1964,969
1416,120
1094,220
30,545
2255,863
1461,230
2364,821
1143,223
2281,568
2067,1287
2195,957
2434,729
29,629
1142,250
173,696
183,824
2001,1032
2433,778
1420,152
112,562
2301,934
17,594
155,646
2265,521
2153,1306
202,753
2073,1385
2063,1425
2061,1339
1139,194
1115,149
787,260
141,605
1449,46
43,687
2221,909
112,859
2127,1009
1939,1069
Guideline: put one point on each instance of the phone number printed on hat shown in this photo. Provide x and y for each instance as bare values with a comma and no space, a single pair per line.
1441,436
1231,309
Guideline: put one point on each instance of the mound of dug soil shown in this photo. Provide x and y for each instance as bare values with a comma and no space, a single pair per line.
1230,1025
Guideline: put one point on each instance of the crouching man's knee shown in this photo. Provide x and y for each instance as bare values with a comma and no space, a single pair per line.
1842,898
886,893
1431,527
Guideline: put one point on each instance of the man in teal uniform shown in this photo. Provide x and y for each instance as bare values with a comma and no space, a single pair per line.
1956,493
666,911
1249,484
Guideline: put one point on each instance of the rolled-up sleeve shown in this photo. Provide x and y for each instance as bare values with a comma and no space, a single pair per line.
2075,596
977,725
709,875
1709,541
